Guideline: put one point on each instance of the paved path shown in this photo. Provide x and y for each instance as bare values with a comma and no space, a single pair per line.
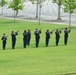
45,19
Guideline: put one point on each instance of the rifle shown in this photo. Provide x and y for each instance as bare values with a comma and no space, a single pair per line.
58,29
17,31
7,36
69,29
40,28
53,30
61,29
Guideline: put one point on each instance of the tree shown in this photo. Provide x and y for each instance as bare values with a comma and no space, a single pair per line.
16,5
59,3
37,2
69,6
40,6
3,3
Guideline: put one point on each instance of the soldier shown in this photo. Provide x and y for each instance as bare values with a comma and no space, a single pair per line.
13,35
37,36
47,37
24,38
4,38
28,37
66,35
57,36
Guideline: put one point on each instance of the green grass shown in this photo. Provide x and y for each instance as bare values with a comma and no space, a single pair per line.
60,60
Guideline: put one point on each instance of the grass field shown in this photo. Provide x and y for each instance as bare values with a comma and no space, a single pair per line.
53,60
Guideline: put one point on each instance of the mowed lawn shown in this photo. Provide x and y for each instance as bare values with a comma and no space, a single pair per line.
52,60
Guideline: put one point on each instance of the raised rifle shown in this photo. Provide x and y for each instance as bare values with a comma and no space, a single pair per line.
17,31
53,30
7,36
62,29
69,29
40,28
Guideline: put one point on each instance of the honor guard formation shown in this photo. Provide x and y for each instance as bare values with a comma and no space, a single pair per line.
27,37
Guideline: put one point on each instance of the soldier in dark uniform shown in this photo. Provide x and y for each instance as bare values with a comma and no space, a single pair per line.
28,37
47,37
66,35
13,35
57,36
4,38
37,36
24,38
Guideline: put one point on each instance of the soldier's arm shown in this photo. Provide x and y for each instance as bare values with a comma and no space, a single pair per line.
16,33
2,38
51,32
60,31
30,34
6,37
69,31
40,31
35,33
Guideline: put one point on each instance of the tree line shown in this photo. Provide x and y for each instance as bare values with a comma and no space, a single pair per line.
69,6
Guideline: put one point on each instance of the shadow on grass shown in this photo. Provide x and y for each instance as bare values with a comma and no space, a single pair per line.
32,47
69,74
5,61
47,47
9,22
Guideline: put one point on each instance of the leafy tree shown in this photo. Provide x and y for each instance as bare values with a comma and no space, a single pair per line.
59,3
16,5
69,6
3,3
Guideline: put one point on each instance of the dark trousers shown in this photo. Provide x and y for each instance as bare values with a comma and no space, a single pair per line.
47,41
4,44
28,41
24,43
57,41
13,44
65,40
37,42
